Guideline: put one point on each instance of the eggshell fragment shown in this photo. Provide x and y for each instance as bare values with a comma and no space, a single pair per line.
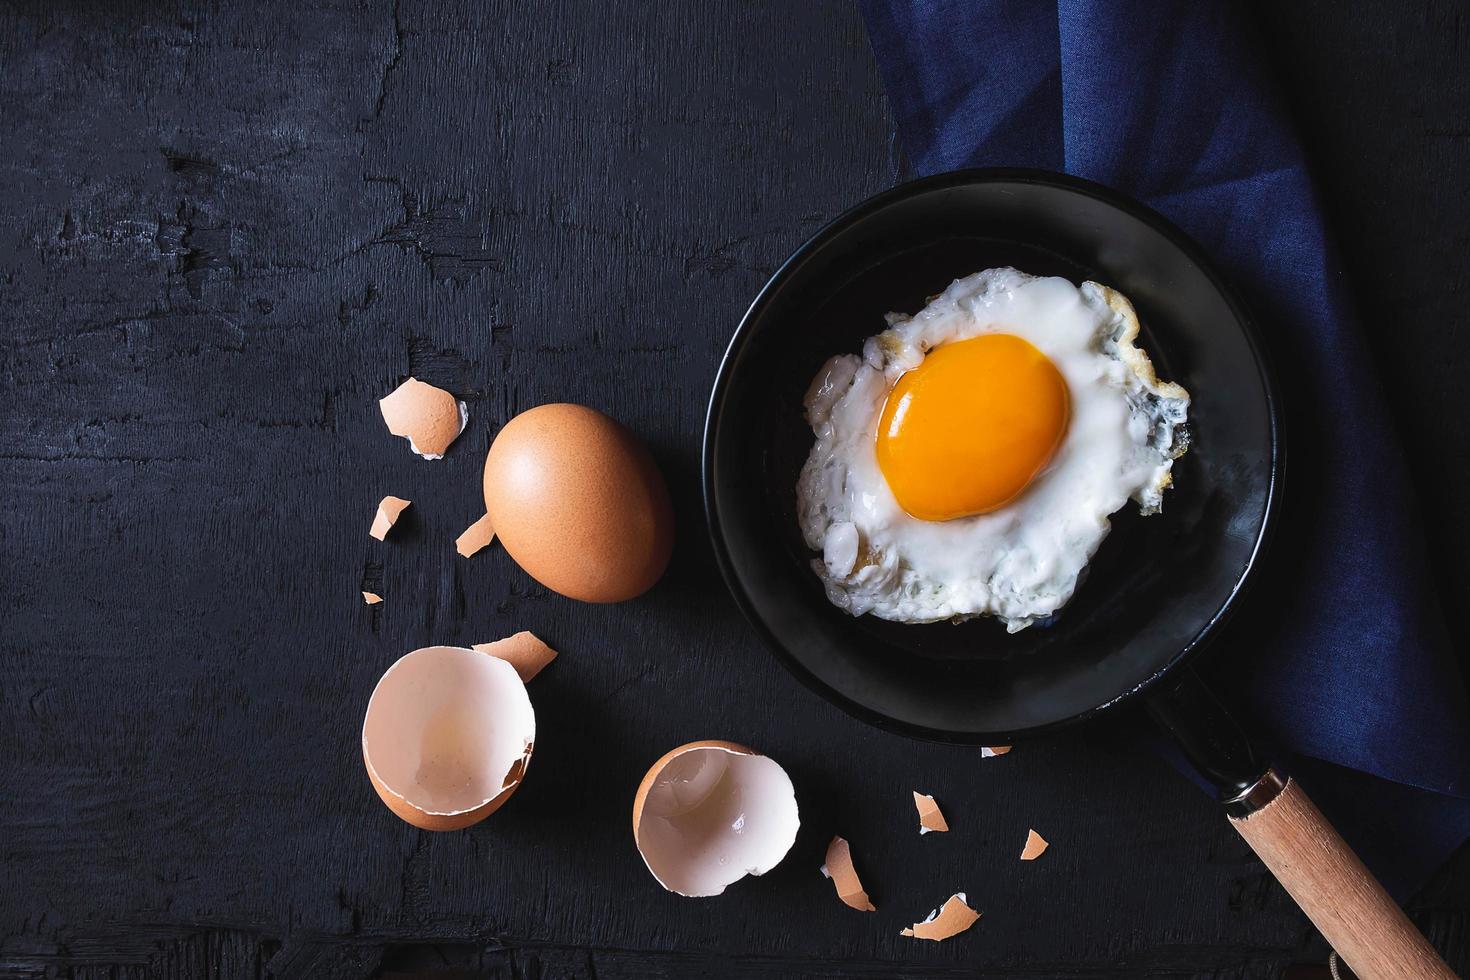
950,920
524,651
844,876
991,751
709,813
931,820
1035,844
388,510
429,418
475,537
579,504
448,736
371,598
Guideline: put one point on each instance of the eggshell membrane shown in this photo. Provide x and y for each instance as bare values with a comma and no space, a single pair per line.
709,813
429,418
578,502
447,736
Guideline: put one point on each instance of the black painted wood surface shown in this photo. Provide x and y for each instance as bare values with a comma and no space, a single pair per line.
227,230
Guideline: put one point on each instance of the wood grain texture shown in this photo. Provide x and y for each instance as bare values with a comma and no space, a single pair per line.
1347,905
229,229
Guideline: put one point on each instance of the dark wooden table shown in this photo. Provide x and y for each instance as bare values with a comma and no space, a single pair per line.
227,230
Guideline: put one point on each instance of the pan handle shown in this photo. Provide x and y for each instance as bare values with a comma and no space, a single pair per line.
1211,739
1341,897
1294,840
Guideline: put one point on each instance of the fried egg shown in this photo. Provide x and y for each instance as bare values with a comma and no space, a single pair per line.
968,462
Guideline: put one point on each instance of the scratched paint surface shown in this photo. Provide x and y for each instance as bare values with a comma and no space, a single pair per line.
225,233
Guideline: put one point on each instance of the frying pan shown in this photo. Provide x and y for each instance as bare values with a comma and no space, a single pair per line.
1158,588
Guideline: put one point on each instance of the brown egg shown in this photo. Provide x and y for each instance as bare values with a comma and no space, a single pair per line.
577,501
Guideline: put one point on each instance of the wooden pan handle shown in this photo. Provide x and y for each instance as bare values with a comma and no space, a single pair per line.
1344,901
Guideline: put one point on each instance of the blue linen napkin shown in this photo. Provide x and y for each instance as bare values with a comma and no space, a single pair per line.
1170,103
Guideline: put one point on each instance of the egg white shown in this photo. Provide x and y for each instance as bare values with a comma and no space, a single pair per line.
1021,562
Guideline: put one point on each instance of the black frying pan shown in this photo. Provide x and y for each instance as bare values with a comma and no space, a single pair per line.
1157,589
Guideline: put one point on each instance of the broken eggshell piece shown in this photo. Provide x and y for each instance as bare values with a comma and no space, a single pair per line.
709,813
844,876
931,818
953,918
388,510
448,736
475,537
429,418
525,651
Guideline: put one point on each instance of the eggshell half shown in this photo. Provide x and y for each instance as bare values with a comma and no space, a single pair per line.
709,813
578,502
448,736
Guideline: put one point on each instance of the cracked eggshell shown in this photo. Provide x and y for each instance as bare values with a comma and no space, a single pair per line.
578,502
448,736
709,813
429,418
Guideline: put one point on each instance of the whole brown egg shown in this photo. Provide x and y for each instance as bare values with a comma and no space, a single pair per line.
578,502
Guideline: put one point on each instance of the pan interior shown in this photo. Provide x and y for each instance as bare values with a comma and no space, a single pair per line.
1156,584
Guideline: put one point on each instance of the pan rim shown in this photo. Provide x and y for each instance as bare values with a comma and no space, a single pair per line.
924,185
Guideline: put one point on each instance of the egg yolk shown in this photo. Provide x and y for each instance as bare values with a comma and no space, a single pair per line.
965,431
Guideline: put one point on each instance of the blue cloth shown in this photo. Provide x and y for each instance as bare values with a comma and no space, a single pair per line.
1169,102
